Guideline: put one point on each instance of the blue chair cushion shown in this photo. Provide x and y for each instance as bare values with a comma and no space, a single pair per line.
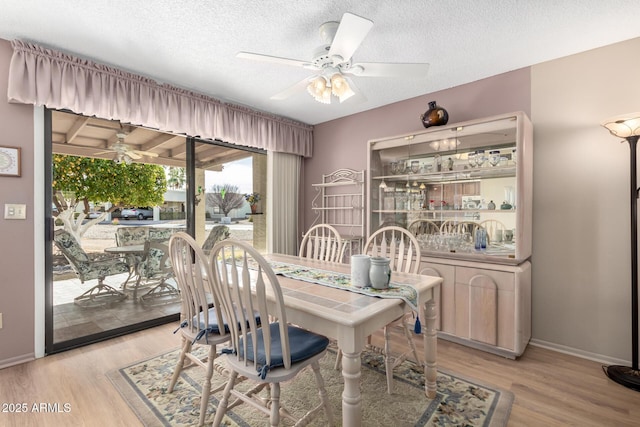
302,343
213,327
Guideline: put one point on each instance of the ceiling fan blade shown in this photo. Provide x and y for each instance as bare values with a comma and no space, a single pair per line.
382,69
273,59
350,34
292,90
143,153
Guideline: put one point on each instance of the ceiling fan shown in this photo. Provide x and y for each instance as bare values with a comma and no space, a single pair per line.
125,153
333,63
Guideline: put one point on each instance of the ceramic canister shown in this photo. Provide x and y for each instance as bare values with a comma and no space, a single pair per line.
380,272
360,265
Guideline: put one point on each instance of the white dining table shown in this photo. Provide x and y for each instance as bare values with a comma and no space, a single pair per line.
350,317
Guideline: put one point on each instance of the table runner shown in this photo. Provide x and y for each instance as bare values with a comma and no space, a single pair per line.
343,281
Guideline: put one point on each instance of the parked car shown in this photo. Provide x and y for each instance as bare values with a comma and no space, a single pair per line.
128,213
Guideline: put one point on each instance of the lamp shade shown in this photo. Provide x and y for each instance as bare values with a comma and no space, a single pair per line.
623,126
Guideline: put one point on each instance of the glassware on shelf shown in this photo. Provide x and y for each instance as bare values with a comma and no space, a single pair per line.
481,158
394,168
415,166
402,167
472,159
494,157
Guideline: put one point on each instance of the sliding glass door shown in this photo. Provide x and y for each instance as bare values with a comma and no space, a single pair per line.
112,215
118,193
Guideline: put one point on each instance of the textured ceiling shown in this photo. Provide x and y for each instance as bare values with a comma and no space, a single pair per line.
193,44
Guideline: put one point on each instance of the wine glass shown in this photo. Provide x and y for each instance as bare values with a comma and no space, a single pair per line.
415,166
480,158
402,167
494,157
394,168
472,159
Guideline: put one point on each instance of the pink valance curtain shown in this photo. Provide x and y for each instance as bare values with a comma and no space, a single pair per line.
57,80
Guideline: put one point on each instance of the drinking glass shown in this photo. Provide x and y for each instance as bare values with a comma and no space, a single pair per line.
494,157
480,158
394,168
472,159
415,166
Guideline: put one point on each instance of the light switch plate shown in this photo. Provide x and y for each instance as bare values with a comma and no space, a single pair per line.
15,211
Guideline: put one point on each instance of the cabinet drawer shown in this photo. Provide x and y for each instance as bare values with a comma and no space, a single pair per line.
504,280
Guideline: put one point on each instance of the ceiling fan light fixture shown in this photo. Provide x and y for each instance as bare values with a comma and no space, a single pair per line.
316,86
339,85
122,158
325,96
445,144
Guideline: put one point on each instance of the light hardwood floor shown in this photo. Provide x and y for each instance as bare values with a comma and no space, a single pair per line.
551,389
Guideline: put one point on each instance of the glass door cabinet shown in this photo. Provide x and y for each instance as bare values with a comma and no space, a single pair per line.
465,191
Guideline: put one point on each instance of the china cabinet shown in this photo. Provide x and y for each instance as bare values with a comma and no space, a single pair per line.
465,191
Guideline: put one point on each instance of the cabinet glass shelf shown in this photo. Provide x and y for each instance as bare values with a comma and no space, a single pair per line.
453,174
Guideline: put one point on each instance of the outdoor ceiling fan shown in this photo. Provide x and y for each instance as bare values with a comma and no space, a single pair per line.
125,153
333,63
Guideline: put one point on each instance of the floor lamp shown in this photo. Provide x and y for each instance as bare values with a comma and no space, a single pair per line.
628,127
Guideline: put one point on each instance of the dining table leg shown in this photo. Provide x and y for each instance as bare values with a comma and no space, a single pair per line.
351,396
430,348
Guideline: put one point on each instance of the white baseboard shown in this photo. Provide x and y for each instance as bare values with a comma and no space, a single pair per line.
17,360
579,353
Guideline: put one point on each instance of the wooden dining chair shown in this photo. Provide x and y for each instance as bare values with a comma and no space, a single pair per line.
460,227
403,250
200,326
322,242
265,354
423,226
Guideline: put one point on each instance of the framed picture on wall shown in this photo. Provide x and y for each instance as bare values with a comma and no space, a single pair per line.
9,161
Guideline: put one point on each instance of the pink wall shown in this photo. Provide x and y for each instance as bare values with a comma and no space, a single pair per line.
342,143
16,236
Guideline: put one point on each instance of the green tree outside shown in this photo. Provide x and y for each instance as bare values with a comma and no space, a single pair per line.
80,180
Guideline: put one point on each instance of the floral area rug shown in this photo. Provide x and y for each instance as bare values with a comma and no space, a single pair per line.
459,401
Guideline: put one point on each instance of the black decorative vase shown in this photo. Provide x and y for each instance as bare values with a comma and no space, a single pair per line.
434,116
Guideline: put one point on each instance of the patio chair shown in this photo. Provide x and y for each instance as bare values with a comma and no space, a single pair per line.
155,269
266,354
87,268
322,242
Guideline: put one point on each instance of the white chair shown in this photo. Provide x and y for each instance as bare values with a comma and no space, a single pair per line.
423,226
272,353
322,242
403,250
199,324
397,244
459,227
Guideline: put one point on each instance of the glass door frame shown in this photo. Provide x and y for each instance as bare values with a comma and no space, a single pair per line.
52,347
